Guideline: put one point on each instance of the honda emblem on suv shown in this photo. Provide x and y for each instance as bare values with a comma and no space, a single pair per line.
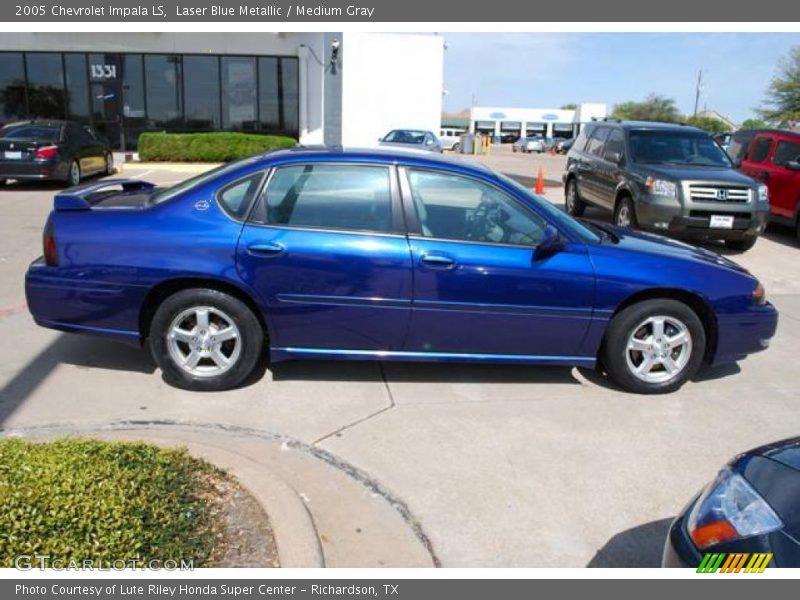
722,195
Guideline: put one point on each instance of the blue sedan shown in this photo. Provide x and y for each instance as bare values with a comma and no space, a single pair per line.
381,255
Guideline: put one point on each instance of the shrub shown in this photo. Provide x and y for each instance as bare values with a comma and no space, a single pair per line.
79,499
207,147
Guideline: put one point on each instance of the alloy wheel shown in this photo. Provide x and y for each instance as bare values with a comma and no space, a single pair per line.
658,349
204,341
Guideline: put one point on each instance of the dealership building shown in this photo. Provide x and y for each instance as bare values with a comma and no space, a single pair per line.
512,123
332,88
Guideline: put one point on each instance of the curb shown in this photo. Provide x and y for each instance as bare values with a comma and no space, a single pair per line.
296,536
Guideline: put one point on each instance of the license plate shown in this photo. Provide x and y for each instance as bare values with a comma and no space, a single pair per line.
721,222
13,154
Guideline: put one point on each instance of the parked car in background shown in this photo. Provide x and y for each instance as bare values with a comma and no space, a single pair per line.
667,178
52,150
773,157
451,138
381,255
529,144
563,146
739,144
412,138
724,140
752,507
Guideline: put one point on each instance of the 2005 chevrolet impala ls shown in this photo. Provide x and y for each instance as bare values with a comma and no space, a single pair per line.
381,255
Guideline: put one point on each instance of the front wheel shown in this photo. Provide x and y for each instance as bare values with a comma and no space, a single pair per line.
654,346
74,174
205,340
456,147
742,245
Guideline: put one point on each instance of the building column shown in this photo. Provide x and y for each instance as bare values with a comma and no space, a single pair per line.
302,90
523,131
548,132
497,129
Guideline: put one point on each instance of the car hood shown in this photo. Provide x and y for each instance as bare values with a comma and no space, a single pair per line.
651,243
699,173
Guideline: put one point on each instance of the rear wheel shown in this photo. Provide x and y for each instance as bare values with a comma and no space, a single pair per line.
74,174
456,147
109,170
654,346
743,244
572,199
205,340
625,213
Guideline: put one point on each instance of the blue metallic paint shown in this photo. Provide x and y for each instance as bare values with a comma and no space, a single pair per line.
339,294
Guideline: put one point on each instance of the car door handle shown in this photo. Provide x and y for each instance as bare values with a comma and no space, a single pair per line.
437,261
265,249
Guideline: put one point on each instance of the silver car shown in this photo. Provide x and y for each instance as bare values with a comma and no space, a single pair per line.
413,139
529,144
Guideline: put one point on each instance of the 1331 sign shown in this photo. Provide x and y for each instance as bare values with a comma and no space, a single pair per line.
103,71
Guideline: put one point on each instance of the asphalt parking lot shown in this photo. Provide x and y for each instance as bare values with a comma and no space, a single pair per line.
499,465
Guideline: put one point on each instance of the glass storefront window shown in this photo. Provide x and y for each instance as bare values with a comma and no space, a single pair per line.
201,91
269,101
77,90
291,95
13,104
45,85
239,93
163,85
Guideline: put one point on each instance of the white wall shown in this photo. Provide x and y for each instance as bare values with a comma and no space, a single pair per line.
390,81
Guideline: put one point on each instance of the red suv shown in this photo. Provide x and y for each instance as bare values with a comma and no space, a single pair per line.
773,157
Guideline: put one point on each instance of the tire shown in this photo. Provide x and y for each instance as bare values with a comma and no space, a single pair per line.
109,170
572,199
74,174
625,213
797,232
456,148
3,182
621,357
742,245
243,346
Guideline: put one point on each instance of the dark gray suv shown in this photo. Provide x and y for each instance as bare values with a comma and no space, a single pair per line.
664,177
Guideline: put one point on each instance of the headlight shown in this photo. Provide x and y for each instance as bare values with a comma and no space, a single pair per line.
661,187
763,193
729,509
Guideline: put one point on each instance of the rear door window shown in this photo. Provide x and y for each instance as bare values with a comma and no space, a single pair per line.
615,144
595,146
760,149
785,152
349,197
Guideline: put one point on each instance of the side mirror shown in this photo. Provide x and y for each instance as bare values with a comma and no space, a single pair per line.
551,244
793,165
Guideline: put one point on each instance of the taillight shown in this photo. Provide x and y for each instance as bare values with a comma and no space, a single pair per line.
50,248
759,294
46,152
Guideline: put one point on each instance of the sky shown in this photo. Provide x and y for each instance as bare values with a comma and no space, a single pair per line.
548,70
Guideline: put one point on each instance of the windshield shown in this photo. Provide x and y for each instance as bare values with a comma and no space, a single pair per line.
48,134
692,148
405,136
562,219
164,194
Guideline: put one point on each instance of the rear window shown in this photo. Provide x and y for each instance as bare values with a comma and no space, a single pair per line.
235,197
595,145
739,144
760,149
31,132
404,136
786,152
580,141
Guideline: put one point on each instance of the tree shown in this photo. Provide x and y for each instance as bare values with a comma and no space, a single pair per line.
653,108
783,94
710,124
569,106
754,124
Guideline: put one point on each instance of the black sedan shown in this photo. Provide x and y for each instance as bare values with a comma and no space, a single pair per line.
52,150
752,507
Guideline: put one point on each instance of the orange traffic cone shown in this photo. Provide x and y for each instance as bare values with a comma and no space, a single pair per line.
539,182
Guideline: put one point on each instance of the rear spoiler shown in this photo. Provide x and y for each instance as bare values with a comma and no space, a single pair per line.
77,198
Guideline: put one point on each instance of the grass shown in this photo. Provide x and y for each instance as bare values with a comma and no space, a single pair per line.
207,147
79,499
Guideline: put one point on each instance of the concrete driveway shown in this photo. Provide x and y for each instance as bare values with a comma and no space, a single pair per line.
500,466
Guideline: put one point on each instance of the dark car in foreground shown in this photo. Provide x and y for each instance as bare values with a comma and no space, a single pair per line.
752,507
415,139
382,255
52,150
664,177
